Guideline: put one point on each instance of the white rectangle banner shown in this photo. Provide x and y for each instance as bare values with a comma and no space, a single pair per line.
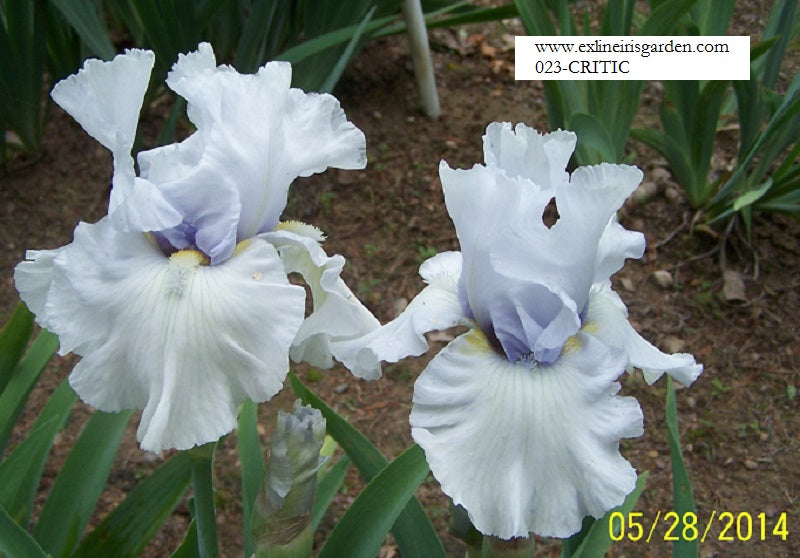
632,57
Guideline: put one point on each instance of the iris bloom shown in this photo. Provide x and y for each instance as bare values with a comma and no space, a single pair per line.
178,300
519,417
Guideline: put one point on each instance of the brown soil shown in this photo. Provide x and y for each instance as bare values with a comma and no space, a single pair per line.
738,422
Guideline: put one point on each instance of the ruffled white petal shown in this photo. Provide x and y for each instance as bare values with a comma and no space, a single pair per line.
524,447
523,152
105,98
185,342
338,316
616,245
327,137
33,278
435,307
608,321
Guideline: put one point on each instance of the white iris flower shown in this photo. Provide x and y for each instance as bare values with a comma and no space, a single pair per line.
519,417
178,300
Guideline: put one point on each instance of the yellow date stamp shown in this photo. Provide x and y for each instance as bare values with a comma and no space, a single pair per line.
688,526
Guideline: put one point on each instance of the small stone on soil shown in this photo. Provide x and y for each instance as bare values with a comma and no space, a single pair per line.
662,278
645,192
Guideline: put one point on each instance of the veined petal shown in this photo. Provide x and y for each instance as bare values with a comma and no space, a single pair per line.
183,341
524,314
105,98
435,307
338,316
188,77
523,152
524,447
609,322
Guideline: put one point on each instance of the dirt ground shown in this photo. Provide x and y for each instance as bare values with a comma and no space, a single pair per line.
738,422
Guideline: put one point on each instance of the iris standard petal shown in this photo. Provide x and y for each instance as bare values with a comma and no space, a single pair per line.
565,255
256,135
615,246
435,307
482,201
608,319
184,341
523,152
338,316
524,447
105,98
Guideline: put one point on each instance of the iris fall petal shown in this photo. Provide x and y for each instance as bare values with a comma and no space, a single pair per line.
525,447
226,330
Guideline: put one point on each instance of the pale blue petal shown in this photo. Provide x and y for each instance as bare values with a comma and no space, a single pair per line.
255,135
32,279
616,245
482,202
564,256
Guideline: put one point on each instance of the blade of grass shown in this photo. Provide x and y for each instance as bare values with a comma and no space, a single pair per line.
188,548
251,457
362,529
535,17
664,18
332,78
250,48
780,27
327,487
16,541
597,539
22,65
13,340
314,46
126,531
78,486
21,471
22,381
683,501
83,17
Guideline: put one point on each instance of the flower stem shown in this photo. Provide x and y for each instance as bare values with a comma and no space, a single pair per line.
494,547
202,464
